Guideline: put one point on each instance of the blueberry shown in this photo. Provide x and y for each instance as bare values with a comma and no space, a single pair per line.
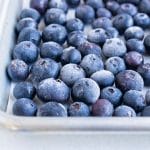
91,63
70,73
54,32
147,43
127,8
89,48
112,32
24,107
30,34
115,65
129,80
30,13
39,5
147,97
74,25
18,70
71,55
103,78
26,51
142,20
134,99
98,36
129,1
146,112
112,94
79,109
76,38
53,90
122,22
86,90
86,13
55,15
113,6
134,32
24,23
51,50
103,12
124,111
135,45
73,3
144,70
134,59
24,90
45,68
102,108
61,4
52,109
114,47
95,3
144,6
102,22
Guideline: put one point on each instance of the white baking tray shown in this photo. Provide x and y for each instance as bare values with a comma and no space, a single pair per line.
77,133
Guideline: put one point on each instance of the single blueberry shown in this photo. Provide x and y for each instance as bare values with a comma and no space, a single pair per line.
103,12
146,112
95,3
144,6
113,6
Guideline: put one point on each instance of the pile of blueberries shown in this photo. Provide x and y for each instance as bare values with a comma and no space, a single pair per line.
75,72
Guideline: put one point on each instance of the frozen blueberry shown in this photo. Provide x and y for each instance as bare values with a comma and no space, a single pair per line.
112,94
74,25
52,109
147,97
112,32
18,70
89,48
24,90
129,80
95,3
70,73
142,20
86,13
113,6
61,4
24,23
103,78
26,51
122,22
135,45
134,99
103,12
115,65
24,107
91,63
144,6
53,90
144,70
133,59
79,109
102,108
86,90
45,68
71,55
102,22
136,2
124,111
54,32
127,8
146,112
55,15
147,43
30,34
30,13
134,32
51,50
76,38
73,3
39,5
98,36
114,47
